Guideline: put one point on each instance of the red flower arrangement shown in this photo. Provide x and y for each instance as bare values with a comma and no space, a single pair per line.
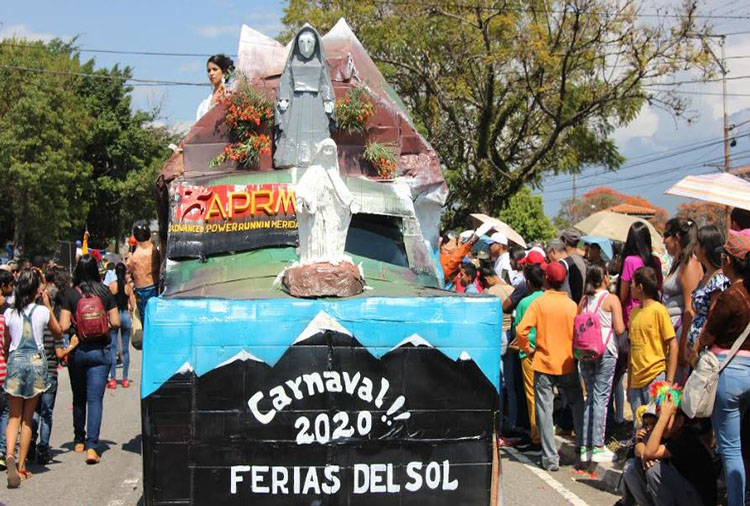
249,113
382,157
354,110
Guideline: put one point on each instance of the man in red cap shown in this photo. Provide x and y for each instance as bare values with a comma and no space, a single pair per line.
552,316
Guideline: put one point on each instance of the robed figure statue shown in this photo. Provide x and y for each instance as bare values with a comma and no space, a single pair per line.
324,208
304,113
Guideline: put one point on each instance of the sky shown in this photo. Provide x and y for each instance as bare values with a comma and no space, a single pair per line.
654,144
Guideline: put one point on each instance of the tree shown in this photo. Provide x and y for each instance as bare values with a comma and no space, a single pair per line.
126,151
43,135
704,213
601,198
525,214
509,92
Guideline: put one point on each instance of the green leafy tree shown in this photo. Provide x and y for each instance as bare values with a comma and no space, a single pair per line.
525,214
43,136
126,151
507,92
74,154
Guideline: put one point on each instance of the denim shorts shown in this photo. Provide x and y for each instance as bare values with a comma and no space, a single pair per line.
27,374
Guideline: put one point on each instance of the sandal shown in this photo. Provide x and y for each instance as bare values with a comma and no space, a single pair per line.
14,479
25,474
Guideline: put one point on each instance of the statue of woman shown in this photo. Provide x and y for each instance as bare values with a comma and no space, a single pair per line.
304,102
324,208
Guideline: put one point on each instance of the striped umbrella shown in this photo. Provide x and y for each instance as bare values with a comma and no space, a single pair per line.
722,188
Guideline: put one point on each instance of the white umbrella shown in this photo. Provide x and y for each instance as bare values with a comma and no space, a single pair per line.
721,188
615,226
499,226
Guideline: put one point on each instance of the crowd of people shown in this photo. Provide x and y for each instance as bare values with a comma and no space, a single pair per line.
650,318
49,320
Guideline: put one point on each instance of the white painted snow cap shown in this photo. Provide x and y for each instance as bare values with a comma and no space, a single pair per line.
464,356
340,31
260,56
185,368
414,340
322,321
242,356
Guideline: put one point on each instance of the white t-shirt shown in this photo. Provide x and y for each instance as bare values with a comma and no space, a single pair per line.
14,323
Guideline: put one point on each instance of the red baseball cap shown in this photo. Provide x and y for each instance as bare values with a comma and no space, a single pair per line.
555,272
533,257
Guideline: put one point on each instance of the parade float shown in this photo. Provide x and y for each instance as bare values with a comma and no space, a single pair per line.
303,351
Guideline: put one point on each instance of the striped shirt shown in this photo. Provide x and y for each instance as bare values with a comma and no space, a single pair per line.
3,365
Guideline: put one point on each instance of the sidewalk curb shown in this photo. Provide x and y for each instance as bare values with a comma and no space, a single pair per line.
609,474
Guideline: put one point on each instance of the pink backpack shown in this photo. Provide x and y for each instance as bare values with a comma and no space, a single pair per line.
587,333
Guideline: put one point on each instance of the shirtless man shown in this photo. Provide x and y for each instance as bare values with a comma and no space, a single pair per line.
144,264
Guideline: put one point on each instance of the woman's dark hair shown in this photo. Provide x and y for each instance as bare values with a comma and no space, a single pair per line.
27,287
741,217
225,63
637,244
742,268
86,275
595,275
62,280
687,231
534,276
517,253
646,276
121,297
710,240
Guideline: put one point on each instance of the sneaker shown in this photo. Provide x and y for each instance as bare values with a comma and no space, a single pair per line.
112,384
553,468
585,454
125,383
92,457
603,454
42,456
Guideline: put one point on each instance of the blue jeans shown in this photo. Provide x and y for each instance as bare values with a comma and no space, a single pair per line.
88,367
640,396
43,415
142,296
733,389
598,376
4,413
125,324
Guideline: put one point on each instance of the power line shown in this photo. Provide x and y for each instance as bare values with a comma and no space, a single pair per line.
484,8
649,182
154,82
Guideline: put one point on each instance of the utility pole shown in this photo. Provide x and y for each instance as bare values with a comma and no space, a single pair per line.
723,66
721,62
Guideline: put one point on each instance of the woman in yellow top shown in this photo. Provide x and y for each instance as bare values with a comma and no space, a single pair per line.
653,348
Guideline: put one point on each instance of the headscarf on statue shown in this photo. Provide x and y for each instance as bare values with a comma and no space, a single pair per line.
304,114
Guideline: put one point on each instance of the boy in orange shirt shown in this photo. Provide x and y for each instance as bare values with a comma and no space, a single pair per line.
552,315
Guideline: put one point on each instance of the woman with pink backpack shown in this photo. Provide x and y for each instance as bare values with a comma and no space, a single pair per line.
598,323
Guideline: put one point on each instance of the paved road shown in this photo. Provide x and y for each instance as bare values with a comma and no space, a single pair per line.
116,481
525,484
67,480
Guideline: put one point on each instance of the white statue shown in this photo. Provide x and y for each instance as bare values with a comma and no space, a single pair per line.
324,208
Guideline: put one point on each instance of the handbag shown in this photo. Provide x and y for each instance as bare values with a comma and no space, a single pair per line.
699,393
136,331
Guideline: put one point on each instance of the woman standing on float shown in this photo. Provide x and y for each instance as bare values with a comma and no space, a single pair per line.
219,68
